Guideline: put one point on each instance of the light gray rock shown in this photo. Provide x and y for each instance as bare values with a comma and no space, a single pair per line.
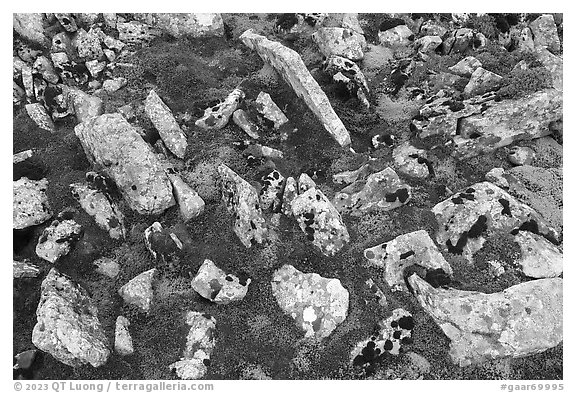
482,81
95,67
258,150
268,108
107,266
540,258
84,106
122,340
111,143
338,41
496,176
427,44
114,84
113,44
138,33
396,37
271,191
216,117
22,156
411,161
350,21
31,27
348,177
305,183
241,119
292,69
552,63
185,24
163,119
87,45
67,21
67,324
290,193
110,19
458,41
57,239
414,248
138,291
44,67
520,155
431,28
466,66
23,269
545,33
525,40
523,320
30,203
317,304
40,116
191,205
28,80
214,284
347,72
62,46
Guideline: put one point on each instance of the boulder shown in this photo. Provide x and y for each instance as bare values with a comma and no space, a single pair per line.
395,37
317,304
268,108
111,143
523,320
545,33
411,161
214,284
415,248
291,67
305,183
83,105
67,324
40,116
338,41
271,191
458,41
30,204
241,199
185,24
241,119
552,63
57,239
122,339
138,291
540,258
200,343
24,270
163,120
31,27
88,45
348,177
216,117
482,81
67,21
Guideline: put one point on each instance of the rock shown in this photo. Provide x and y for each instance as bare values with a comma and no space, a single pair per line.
114,84
138,291
320,221
67,324
347,72
351,22
105,212
110,55
520,155
67,21
289,64
107,266
86,19
545,33
190,203
305,183
122,339
427,44
18,94
30,203
258,150
415,248
40,116
241,119
136,33
380,191
83,105
508,121
31,27
290,193
348,177
267,108
459,41
217,117
496,176
164,121
540,258
431,28
411,161
111,142
87,45
271,191
200,343
242,200
62,50
161,243
388,339
525,40
95,67
317,304
25,360
57,239
44,67
22,156
337,41
185,24
215,285
523,320
552,63
482,81
28,80
395,37
112,43
466,66
110,19
24,270
468,216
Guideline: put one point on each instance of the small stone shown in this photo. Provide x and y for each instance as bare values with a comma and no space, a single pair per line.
267,108
30,203
241,119
521,155
164,121
107,266
482,81
339,41
56,240
138,291
22,156
215,285
216,117
411,161
466,66
24,270
113,44
122,339
115,84
496,176
545,33
110,55
87,45
190,203
161,243
28,81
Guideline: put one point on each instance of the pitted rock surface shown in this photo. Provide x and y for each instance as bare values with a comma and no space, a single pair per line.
30,204
57,239
339,41
163,120
138,291
214,284
271,192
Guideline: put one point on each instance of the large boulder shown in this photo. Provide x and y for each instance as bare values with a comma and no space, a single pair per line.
68,327
111,143
164,121
30,204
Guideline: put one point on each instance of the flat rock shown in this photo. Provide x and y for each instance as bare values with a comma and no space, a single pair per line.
40,116
214,284
415,248
30,204
411,161
161,116
339,41
317,304
523,320
111,143
138,291
268,108
57,239
216,117
466,66
545,33
290,66
67,324
482,81
23,269
122,340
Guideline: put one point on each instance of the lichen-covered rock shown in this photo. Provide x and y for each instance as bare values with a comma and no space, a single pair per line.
31,27
122,339
216,117
291,67
350,21
430,27
83,105
214,284
68,327
163,120
320,221
523,320
30,204
105,212
200,343
458,41
482,81
161,243
22,156
427,44
466,66
107,266
411,161
348,177
113,44
338,41
552,63
521,155
242,200
241,119
114,84
185,24
397,36
545,32
24,270
305,183
268,108
134,32
271,192
67,21
57,239
110,142
387,339
290,193
40,116
380,191
540,258
496,176
88,45
138,291
415,248
44,67
190,203
317,304
347,72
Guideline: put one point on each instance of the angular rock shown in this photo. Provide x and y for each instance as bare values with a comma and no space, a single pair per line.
520,155
87,45
122,339
105,212
24,270
114,84
44,67
459,41
347,72
496,176
107,266
83,105
289,64
190,203
305,183
397,36
40,116
317,304
290,193
351,22
545,33
110,19
338,41
258,150
380,191
215,285
268,108
67,324
185,24
271,192
217,117
466,66
134,32
31,27
200,343
161,116
161,243
540,258
95,67
411,161
30,204
110,142
112,43
415,248
482,81
552,63
67,21
22,156
242,200
430,28
138,291
241,119
427,44
61,47
523,320
28,80
57,239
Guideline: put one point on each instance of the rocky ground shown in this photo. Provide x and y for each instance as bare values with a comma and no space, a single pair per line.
287,196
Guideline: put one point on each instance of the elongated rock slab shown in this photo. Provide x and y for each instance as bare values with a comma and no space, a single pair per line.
289,64
30,204
317,304
216,117
523,320
111,143
122,340
214,284
163,119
